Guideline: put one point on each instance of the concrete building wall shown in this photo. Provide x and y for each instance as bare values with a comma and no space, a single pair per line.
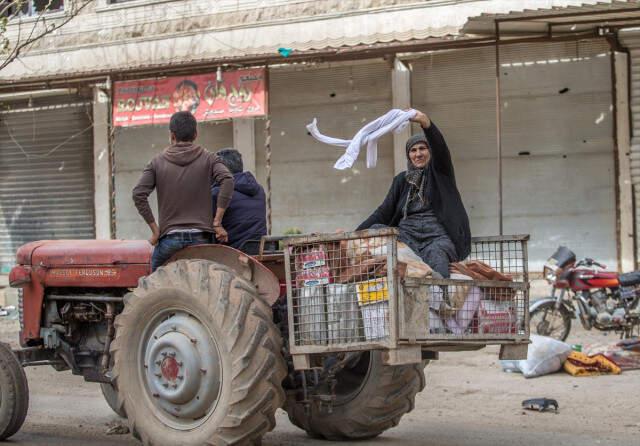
133,148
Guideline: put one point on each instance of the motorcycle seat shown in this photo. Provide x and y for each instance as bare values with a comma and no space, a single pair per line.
629,279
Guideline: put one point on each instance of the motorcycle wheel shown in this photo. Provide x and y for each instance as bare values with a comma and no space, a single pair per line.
546,320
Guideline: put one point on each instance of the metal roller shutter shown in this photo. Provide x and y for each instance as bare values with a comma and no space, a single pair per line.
558,146
46,174
308,193
631,39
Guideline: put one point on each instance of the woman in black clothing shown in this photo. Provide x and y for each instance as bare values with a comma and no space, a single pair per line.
424,202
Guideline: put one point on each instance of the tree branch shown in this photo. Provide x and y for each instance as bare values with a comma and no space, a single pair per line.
73,11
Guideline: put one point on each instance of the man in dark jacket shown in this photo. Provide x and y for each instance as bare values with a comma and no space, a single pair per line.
182,176
246,216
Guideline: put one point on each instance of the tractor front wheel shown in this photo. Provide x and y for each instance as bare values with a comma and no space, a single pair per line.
197,358
14,393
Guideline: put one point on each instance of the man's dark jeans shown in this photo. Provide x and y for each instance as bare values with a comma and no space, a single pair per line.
169,244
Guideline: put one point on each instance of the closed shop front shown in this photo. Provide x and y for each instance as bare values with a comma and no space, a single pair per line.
46,172
308,193
558,146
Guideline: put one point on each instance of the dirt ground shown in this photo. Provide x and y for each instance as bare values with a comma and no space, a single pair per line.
468,401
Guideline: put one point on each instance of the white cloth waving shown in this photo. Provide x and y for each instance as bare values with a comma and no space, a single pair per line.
395,120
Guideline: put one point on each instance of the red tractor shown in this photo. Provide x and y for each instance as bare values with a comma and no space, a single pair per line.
204,350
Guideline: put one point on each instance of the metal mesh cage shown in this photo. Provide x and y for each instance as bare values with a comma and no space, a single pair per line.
474,309
345,292
506,254
341,287
486,297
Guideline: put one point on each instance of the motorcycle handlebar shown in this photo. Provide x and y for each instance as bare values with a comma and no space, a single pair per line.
591,262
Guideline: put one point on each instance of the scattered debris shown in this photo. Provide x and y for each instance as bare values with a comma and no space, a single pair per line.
579,364
9,311
540,404
545,355
625,353
117,428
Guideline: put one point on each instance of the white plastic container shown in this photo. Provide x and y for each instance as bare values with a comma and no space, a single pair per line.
375,317
343,314
312,317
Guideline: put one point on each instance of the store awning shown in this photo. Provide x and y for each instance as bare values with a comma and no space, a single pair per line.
102,44
557,21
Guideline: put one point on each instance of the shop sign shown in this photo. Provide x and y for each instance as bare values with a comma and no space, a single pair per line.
210,97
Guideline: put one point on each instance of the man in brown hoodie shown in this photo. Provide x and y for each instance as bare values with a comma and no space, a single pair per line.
183,175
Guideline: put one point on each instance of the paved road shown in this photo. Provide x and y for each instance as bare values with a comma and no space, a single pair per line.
468,401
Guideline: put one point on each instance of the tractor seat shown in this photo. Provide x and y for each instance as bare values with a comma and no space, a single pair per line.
629,279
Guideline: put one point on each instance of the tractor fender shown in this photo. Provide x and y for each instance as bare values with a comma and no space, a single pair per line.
246,266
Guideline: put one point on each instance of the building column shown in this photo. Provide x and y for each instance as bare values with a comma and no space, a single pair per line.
625,187
244,141
101,164
401,98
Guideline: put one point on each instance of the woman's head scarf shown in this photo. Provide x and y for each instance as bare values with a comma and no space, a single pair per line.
415,176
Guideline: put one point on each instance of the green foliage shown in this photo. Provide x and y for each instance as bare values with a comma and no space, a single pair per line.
292,231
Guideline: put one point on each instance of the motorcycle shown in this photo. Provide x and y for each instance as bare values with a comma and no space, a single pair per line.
600,299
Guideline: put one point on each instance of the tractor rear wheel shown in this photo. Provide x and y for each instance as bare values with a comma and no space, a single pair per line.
197,358
14,393
370,398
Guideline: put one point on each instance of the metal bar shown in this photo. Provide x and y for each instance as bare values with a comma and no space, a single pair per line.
475,342
345,347
501,238
467,283
588,22
525,264
267,155
45,108
499,126
392,256
289,282
566,15
85,297
330,237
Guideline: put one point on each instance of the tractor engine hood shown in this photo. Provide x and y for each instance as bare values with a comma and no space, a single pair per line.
53,253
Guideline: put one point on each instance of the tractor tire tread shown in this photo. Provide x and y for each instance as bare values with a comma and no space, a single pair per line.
15,393
258,367
380,407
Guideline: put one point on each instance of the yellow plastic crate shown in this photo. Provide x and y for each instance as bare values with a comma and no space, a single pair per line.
372,291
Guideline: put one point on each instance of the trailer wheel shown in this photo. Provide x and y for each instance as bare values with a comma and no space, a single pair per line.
14,393
197,358
371,398
110,395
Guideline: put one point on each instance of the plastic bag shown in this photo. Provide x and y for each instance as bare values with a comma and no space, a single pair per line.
545,355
